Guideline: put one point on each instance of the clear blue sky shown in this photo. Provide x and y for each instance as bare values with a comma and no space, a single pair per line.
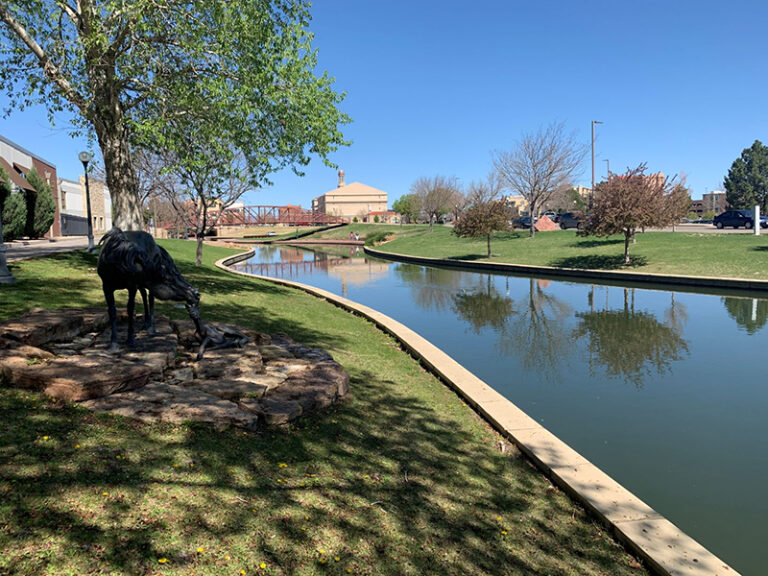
434,86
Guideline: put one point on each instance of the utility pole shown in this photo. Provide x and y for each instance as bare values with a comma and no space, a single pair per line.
592,191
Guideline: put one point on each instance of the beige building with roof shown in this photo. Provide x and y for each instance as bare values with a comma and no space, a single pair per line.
355,200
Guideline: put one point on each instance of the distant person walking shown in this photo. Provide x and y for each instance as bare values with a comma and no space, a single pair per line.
357,236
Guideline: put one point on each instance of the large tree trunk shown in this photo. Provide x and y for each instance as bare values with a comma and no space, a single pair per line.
199,253
121,178
488,239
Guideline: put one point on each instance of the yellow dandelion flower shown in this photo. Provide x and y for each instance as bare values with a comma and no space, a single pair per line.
105,493
226,557
336,558
201,550
242,572
306,517
45,437
279,480
282,465
262,565
498,518
503,532
162,560
77,446
321,551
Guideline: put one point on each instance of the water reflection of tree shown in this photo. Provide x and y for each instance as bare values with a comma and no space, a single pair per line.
532,328
539,335
433,288
750,313
483,308
633,344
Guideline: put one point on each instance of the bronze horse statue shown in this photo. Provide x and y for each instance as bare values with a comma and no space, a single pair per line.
132,260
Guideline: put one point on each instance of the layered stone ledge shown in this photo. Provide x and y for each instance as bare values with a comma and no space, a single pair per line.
270,381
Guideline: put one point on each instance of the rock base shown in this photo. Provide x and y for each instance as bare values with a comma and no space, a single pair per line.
270,381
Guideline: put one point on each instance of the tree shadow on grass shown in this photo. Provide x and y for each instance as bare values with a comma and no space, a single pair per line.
595,242
595,262
388,481
470,257
759,248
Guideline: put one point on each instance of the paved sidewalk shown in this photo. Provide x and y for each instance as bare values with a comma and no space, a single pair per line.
22,249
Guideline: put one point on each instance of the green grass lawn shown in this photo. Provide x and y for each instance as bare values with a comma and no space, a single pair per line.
679,253
399,478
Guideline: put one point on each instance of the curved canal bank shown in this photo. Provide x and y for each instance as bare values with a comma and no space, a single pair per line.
583,275
664,547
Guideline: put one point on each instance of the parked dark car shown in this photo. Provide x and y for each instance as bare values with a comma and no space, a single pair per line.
570,220
738,218
522,222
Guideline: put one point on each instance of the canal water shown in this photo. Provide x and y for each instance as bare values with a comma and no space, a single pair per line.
665,391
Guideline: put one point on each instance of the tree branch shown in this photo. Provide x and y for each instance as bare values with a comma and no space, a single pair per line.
49,68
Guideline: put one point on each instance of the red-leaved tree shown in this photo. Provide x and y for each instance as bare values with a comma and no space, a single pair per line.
627,202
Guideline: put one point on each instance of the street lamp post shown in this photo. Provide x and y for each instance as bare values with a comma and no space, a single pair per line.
86,157
592,191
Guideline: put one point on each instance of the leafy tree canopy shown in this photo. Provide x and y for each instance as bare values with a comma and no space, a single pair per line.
485,213
408,206
746,184
136,72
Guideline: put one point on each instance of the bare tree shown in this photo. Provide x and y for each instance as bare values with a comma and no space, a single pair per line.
542,163
485,213
628,202
201,192
438,196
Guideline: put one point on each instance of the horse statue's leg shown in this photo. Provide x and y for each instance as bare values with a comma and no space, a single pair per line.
109,296
149,310
131,340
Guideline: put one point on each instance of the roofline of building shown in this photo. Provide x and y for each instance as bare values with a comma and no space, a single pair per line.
27,152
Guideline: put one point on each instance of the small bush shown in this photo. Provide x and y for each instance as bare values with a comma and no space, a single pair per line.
378,238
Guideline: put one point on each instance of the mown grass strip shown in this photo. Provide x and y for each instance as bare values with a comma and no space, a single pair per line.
676,253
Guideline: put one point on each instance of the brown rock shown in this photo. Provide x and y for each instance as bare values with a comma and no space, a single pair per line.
230,389
271,352
279,412
80,377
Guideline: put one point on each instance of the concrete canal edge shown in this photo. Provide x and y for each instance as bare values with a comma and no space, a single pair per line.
663,546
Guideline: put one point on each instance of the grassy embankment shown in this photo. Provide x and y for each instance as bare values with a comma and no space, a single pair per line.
399,478
679,253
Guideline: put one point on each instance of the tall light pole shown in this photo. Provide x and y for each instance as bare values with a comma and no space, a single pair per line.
86,157
592,191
